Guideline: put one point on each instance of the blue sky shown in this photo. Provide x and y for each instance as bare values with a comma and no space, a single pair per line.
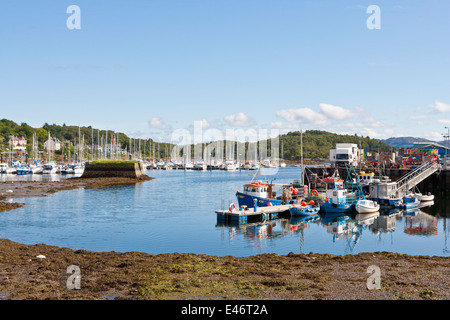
149,67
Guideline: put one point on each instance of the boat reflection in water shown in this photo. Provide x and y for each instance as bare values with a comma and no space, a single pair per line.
346,227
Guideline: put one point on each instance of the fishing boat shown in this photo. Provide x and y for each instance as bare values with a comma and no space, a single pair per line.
336,197
367,206
366,178
264,195
385,194
257,191
304,209
410,201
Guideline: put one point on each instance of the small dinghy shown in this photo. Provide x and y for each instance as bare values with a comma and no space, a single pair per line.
424,197
304,209
367,206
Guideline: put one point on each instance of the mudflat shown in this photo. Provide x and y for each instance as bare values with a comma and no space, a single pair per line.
40,272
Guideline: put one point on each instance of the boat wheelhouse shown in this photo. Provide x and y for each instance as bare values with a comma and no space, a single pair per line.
366,178
264,195
336,197
385,194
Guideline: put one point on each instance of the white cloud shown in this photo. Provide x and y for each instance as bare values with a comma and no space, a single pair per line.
157,123
335,112
440,107
444,121
418,117
434,136
204,123
303,114
238,120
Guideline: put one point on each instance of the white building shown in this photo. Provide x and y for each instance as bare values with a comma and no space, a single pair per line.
53,144
17,143
345,153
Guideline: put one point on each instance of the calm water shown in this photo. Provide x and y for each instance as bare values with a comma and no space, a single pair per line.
175,213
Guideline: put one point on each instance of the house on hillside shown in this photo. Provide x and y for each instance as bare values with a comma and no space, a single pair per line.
18,144
52,144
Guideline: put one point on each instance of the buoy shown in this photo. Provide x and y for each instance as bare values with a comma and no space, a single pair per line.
269,204
314,193
232,207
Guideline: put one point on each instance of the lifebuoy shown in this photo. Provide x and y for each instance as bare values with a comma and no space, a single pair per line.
232,207
314,193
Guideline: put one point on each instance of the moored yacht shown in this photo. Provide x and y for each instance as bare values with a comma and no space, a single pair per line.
50,168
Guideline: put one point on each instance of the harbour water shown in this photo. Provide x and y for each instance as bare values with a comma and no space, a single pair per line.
175,212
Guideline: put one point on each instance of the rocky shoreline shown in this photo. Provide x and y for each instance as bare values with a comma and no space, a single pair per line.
39,272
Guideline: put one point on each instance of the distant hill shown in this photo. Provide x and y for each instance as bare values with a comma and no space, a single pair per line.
404,142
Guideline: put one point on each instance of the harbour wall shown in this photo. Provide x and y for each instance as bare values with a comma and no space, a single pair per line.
134,170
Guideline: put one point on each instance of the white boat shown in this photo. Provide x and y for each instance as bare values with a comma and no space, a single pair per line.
49,168
11,170
200,166
78,169
35,169
366,206
229,166
424,197
268,164
3,167
188,166
66,170
23,169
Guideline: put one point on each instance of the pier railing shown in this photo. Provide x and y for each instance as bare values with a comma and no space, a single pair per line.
417,175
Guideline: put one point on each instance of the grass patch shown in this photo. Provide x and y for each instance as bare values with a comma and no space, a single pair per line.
112,161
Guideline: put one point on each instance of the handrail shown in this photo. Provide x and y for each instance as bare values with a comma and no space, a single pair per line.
420,172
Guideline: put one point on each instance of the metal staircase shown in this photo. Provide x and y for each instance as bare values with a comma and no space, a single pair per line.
416,176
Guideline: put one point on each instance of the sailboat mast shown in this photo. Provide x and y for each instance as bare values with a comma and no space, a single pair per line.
301,156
